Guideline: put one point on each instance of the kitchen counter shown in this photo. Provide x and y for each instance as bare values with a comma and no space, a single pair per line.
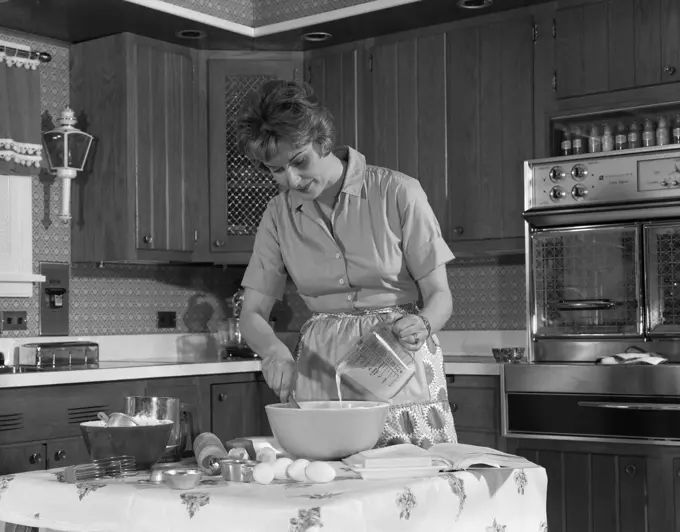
120,370
184,355
471,365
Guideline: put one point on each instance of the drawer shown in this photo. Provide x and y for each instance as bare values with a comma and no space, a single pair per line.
22,457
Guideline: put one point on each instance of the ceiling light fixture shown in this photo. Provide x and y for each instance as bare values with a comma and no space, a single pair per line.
474,4
190,34
317,36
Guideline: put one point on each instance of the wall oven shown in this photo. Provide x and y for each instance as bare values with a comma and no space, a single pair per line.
603,277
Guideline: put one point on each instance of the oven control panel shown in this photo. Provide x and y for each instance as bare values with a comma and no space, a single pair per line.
645,174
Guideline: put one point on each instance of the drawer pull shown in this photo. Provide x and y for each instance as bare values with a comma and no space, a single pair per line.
222,397
454,407
60,455
630,469
35,458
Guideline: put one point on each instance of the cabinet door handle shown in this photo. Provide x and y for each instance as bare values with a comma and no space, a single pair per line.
222,397
454,407
458,230
60,455
630,469
450,379
148,239
35,458
669,69
219,243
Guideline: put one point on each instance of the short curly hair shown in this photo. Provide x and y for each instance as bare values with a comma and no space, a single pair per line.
283,111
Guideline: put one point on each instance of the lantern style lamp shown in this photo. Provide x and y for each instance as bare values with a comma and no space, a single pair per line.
67,149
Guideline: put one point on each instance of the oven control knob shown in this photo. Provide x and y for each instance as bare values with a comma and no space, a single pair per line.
674,183
664,183
557,174
579,192
557,193
579,172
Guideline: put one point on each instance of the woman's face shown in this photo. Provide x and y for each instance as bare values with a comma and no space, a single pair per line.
302,169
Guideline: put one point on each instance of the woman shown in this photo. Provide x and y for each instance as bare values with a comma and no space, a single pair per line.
359,242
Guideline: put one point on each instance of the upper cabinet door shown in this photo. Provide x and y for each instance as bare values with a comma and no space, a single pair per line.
163,104
608,45
238,192
489,71
333,74
405,124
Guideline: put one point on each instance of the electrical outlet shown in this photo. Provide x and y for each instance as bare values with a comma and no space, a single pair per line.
167,320
14,320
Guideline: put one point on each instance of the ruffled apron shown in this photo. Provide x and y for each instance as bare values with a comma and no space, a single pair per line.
420,412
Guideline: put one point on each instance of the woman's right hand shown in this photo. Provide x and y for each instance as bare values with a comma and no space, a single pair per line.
280,372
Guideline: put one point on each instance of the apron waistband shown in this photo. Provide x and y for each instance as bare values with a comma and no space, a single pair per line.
409,308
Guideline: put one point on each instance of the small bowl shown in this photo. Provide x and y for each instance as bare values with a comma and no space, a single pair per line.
508,355
182,479
237,470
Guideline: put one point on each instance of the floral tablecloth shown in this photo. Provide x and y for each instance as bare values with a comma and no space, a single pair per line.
480,500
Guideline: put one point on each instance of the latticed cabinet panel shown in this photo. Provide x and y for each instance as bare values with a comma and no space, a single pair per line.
239,193
663,278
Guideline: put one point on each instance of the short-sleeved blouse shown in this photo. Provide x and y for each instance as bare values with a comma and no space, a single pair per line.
384,238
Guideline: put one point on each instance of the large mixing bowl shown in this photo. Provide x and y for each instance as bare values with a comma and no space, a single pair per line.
146,443
321,430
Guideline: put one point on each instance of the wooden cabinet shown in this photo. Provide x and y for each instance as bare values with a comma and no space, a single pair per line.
137,201
238,193
609,45
451,106
236,410
40,426
475,404
605,487
489,73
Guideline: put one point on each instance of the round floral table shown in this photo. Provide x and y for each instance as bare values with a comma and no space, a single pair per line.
479,500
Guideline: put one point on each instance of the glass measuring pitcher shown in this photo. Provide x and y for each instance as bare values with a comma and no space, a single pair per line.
377,363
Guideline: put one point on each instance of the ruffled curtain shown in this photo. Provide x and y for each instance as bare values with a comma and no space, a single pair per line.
20,143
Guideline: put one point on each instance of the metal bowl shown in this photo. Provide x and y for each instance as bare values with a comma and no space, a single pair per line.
508,355
182,479
237,470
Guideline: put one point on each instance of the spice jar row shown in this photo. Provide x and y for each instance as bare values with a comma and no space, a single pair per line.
577,140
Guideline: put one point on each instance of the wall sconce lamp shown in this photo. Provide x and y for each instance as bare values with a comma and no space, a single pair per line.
67,149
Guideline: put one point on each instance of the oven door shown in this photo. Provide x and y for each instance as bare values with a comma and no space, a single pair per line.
587,282
662,273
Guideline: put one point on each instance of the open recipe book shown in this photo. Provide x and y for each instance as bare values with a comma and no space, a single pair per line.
442,456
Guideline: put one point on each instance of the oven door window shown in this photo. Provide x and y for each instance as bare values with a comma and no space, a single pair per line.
663,278
587,281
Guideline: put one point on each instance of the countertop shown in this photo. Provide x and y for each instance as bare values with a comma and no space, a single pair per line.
158,356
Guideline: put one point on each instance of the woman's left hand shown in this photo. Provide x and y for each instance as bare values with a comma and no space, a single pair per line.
411,331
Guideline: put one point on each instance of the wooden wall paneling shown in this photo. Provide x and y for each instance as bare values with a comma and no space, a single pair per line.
517,135
463,131
647,35
384,104
431,119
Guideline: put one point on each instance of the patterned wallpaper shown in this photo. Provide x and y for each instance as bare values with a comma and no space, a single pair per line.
256,13
123,299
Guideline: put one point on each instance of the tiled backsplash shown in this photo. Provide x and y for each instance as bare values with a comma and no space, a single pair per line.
123,299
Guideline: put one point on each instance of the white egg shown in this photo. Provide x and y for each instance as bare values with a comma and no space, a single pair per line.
320,472
280,467
296,470
263,473
266,454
